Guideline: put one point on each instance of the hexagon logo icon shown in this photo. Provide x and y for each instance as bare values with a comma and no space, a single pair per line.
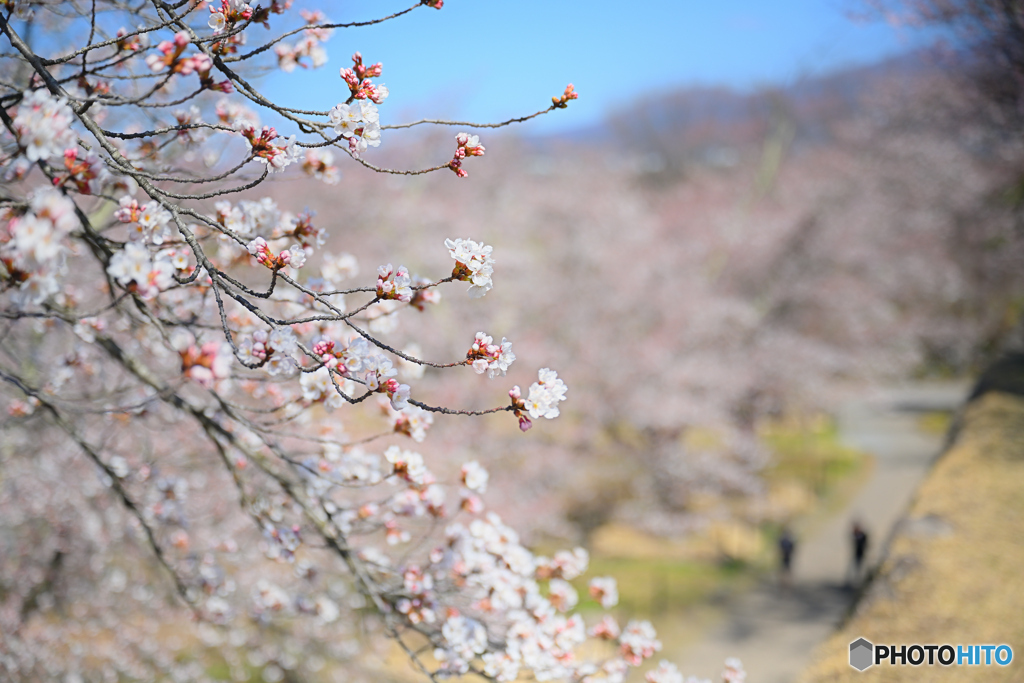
861,654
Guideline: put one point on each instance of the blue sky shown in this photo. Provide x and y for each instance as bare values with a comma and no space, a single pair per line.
491,59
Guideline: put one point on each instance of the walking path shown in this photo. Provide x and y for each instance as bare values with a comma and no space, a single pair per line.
773,630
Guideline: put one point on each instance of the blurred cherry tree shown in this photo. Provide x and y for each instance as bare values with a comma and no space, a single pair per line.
738,259
991,32
178,498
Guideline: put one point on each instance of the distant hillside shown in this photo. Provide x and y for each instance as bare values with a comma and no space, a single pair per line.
697,121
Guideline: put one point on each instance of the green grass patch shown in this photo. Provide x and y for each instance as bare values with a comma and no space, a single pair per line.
653,587
808,451
935,422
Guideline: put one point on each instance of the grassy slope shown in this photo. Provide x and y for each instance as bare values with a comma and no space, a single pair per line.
957,579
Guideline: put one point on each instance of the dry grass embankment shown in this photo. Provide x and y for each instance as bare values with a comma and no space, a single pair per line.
953,571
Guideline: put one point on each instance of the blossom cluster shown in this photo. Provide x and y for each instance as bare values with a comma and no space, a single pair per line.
248,218
267,147
382,378
411,420
227,14
294,256
190,126
310,46
33,246
357,123
131,43
466,146
275,350
87,172
545,395
473,264
563,100
235,114
474,477
149,222
302,229
499,576
134,268
605,591
320,165
394,283
169,56
318,386
205,363
486,356
43,126
361,361
358,80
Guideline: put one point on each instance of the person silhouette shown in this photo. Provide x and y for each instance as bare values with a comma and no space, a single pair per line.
787,547
859,539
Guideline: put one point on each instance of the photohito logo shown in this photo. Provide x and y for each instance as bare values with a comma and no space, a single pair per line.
864,654
861,654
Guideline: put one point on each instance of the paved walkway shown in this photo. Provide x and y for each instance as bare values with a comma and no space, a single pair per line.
774,631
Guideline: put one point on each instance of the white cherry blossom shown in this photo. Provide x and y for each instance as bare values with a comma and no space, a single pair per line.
545,395
43,124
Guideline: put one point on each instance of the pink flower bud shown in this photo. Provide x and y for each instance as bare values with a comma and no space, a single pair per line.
201,63
456,165
322,347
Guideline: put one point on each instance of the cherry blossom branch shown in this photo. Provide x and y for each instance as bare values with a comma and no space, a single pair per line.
468,124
